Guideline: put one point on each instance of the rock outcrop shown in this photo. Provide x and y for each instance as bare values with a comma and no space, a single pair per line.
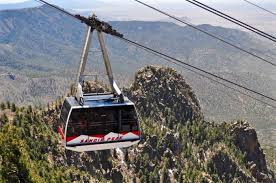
158,90
245,138
225,168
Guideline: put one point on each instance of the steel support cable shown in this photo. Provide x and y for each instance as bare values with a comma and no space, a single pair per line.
207,33
260,7
178,61
189,24
202,75
232,19
199,69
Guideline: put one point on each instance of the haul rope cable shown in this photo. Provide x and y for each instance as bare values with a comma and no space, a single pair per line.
207,33
74,16
204,76
189,24
199,69
117,35
260,7
232,19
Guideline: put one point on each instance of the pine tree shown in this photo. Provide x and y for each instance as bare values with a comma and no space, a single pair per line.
13,107
30,109
48,106
57,107
4,118
3,106
8,105
126,156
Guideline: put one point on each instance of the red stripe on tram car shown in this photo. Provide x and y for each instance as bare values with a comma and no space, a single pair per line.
134,132
138,133
97,136
61,133
101,136
68,139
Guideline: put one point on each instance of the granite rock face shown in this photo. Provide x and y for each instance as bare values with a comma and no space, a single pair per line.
157,90
245,138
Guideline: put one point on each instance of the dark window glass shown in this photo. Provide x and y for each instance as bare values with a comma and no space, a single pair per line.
65,111
94,121
126,128
77,123
103,120
129,119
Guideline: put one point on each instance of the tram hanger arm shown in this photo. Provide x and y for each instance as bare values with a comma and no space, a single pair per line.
84,55
83,62
108,68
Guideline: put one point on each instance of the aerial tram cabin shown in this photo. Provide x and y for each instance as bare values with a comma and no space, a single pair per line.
98,121
99,124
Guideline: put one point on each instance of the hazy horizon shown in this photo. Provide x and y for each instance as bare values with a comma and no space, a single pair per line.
130,10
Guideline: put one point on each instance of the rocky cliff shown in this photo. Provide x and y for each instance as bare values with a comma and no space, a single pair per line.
163,95
246,140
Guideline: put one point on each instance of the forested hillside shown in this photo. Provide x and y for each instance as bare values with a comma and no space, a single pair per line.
175,148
